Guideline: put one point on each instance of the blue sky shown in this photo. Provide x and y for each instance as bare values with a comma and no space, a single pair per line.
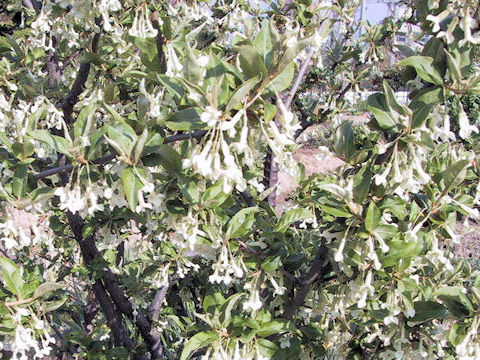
375,13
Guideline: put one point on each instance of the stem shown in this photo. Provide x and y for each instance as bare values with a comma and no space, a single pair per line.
107,158
79,84
160,42
314,272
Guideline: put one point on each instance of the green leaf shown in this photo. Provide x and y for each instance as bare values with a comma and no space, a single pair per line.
91,57
192,71
241,223
142,106
23,150
214,195
139,146
116,116
83,123
95,140
276,326
271,263
428,310
122,138
455,300
424,66
372,218
169,158
18,50
251,63
186,119
392,102
154,142
400,249
453,67
361,184
190,189
292,216
49,306
60,144
46,288
343,140
12,276
5,141
19,181
455,174
423,103
241,92
227,308
267,43
131,185
213,301
337,211
267,348
198,341
377,104
283,80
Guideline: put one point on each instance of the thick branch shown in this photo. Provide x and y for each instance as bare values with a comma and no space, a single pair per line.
157,302
110,284
312,275
160,42
79,84
53,72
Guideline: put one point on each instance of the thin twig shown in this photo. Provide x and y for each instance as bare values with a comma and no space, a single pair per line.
107,158
299,78
271,169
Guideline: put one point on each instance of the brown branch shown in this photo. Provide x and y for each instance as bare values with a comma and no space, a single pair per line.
157,302
110,284
115,297
79,84
305,283
107,158
299,78
53,72
160,42
271,169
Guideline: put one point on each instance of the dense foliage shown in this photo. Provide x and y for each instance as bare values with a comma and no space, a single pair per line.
140,145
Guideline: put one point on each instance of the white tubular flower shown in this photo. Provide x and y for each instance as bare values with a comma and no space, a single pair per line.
211,116
467,24
174,67
104,7
436,20
71,199
465,128
339,253
423,177
362,289
203,60
381,179
448,35
254,303
141,26
383,246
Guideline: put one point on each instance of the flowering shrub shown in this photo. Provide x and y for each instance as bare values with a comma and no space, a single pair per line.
142,140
